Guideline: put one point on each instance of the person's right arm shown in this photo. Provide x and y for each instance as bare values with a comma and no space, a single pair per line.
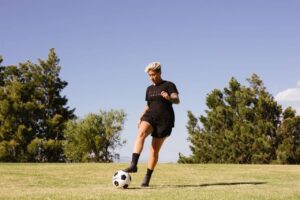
140,119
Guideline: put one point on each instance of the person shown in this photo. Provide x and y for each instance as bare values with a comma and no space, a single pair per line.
157,119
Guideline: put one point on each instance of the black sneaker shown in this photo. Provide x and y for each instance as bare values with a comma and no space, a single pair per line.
131,169
146,181
145,185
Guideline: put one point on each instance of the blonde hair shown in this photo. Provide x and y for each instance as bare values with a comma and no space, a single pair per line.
155,66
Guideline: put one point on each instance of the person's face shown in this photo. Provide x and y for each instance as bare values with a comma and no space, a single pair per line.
154,76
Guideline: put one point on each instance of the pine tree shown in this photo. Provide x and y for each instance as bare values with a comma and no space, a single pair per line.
31,110
52,113
288,151
239,127
15,134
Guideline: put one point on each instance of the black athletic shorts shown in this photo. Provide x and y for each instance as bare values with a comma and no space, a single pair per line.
161,125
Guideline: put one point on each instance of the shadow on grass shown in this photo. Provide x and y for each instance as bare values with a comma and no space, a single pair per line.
200,185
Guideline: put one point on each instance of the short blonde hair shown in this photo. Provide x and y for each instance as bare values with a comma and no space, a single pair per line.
155,66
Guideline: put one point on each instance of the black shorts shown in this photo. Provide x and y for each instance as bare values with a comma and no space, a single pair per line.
161,125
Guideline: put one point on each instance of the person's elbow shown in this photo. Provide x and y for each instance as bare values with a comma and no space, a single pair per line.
176,100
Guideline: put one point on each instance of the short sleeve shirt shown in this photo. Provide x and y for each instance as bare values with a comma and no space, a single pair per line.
159,105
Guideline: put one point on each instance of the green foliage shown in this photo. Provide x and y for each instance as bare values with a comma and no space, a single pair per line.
288,151
43,150
34,116
31,109
95,137
243,125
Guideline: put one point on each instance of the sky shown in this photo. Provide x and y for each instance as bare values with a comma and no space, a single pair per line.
104,47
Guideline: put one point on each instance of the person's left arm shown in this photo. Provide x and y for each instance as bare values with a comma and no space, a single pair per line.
173,98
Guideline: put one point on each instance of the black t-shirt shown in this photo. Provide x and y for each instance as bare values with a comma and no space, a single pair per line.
159,105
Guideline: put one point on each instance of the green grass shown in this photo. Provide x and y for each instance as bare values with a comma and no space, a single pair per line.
170,181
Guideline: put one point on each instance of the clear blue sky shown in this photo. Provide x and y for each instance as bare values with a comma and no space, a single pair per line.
104,47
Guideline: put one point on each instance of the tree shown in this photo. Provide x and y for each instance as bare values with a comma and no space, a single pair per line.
288,151
239,127
53,112
15,132
32,109
95,137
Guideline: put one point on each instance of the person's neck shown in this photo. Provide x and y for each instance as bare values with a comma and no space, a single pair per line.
159,82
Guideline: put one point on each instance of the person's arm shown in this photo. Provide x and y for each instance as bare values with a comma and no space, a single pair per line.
173,98
140,119
145,110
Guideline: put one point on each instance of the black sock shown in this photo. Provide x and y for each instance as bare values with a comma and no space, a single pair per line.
133,166
147,178
135,159
149,172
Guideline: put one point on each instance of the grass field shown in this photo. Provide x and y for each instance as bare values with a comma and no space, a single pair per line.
170,181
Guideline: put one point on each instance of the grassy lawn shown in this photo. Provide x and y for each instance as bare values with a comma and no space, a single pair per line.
170,181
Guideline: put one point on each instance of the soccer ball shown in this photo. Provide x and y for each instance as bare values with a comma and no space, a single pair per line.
121,179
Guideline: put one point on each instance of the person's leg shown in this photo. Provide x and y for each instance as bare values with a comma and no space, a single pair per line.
154,151
154,154
145,129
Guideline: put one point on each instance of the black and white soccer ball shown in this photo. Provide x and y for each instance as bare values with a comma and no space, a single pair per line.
121,179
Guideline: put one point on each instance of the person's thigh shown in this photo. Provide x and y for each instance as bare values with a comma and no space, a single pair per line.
145,129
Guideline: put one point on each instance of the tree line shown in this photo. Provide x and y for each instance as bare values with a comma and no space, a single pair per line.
36,125
243,124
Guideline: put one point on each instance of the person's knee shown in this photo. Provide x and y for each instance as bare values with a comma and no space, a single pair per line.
142,134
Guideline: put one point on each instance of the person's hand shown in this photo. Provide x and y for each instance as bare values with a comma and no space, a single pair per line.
165,95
